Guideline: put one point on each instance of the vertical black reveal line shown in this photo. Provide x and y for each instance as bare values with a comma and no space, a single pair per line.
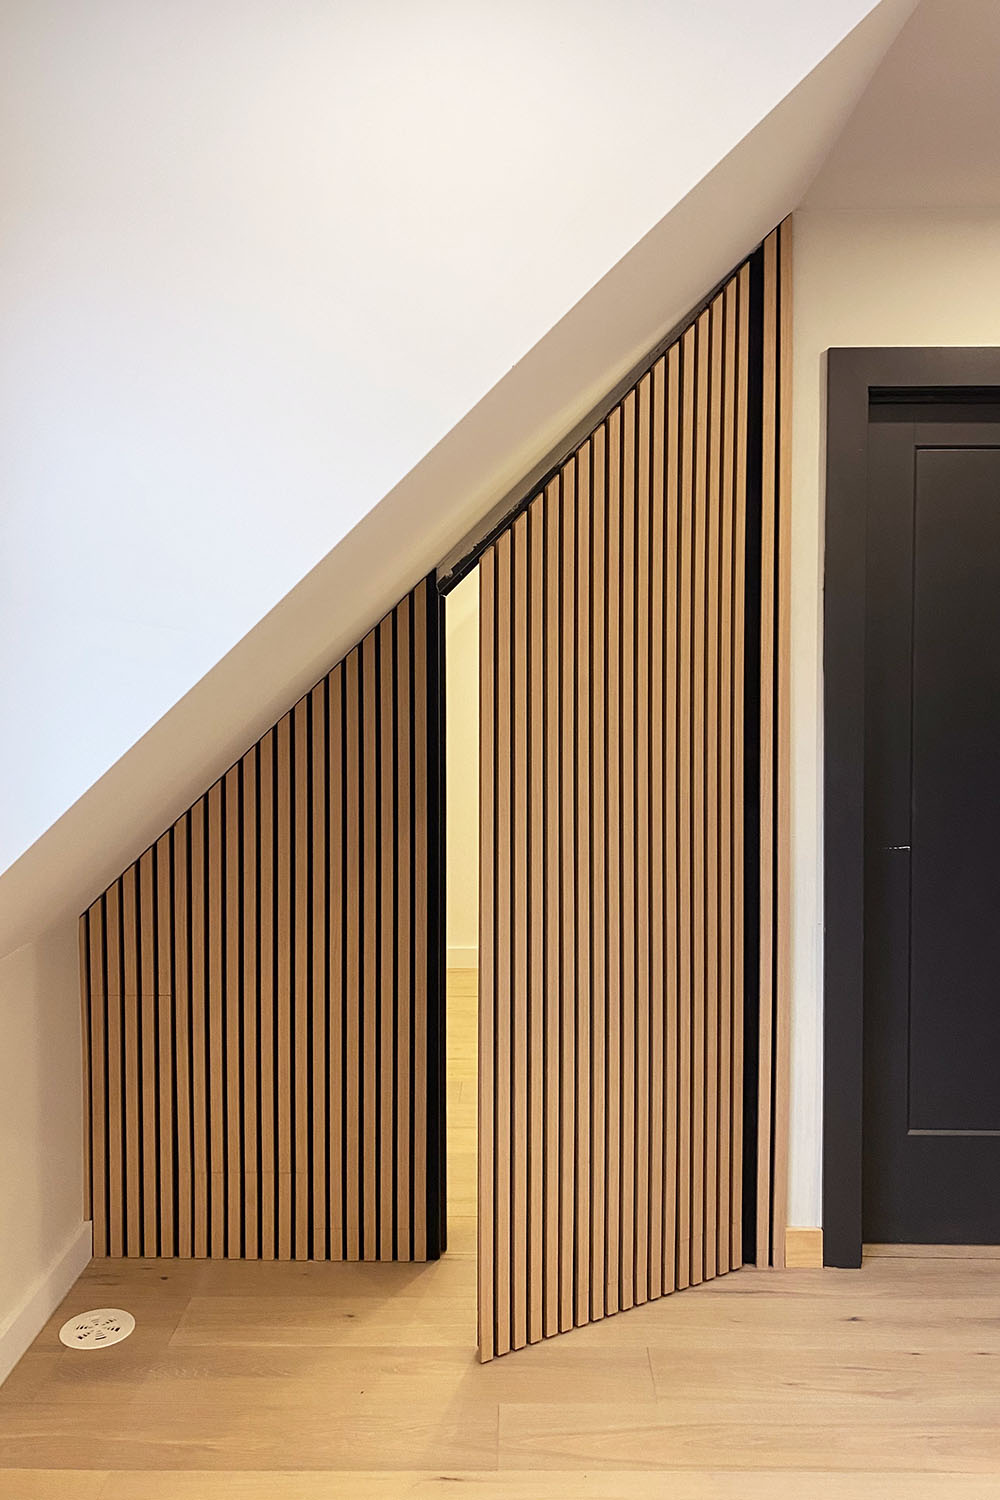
344,996
324,997
515,876
751,754
776,701
416,794
375,919
239,979
437,1155
272,855
221,1169
291,999
434,672
358,998
594,649
88,1075
170,938
134,1002
106,1101
397,999
258,1075
308,793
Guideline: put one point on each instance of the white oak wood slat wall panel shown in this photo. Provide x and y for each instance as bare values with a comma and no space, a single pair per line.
263,988
619,812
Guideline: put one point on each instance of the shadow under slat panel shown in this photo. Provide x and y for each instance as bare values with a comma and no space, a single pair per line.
261,988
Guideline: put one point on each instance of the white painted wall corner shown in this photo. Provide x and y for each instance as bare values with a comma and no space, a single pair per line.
40,1301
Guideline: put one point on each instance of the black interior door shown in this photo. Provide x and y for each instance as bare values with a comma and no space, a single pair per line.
932,831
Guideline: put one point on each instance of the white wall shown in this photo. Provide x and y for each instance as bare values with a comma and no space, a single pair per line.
44,1243
860,278
258,259
462,769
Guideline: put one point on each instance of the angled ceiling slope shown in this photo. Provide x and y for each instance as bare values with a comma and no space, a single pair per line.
501,440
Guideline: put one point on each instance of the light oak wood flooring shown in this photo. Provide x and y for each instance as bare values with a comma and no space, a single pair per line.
297,1381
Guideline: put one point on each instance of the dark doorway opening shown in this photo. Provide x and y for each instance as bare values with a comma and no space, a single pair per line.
911,1117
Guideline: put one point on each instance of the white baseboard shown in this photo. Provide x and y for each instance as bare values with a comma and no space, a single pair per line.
42,1298
463,958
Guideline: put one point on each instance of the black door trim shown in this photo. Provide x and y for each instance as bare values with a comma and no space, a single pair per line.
857,379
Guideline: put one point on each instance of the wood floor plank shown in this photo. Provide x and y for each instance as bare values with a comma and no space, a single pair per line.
529,1484
649,1435
878,1384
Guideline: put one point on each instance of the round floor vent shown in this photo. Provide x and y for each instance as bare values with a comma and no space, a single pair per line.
98,1329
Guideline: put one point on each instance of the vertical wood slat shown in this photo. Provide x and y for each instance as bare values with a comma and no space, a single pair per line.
96,1079
671,836
249,862
626,747
768,534
167,1063
699,939
642,807
684,825
549,514
283,998
198,1039
288,910
502,983
182,958
302,981
318,1001
613,841
486,1301
536,975
714,1087
613,1080
584,980
335,1001
598,776
387,919
234,1011
369,950
519,933
216,1105
148,1054
658,1003
567,881
783,771
266,883
421,934
404,940
739,851
724,417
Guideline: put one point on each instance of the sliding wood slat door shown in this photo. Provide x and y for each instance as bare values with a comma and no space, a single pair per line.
263,988
628,648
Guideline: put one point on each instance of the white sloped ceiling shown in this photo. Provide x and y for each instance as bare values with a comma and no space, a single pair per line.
308,287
